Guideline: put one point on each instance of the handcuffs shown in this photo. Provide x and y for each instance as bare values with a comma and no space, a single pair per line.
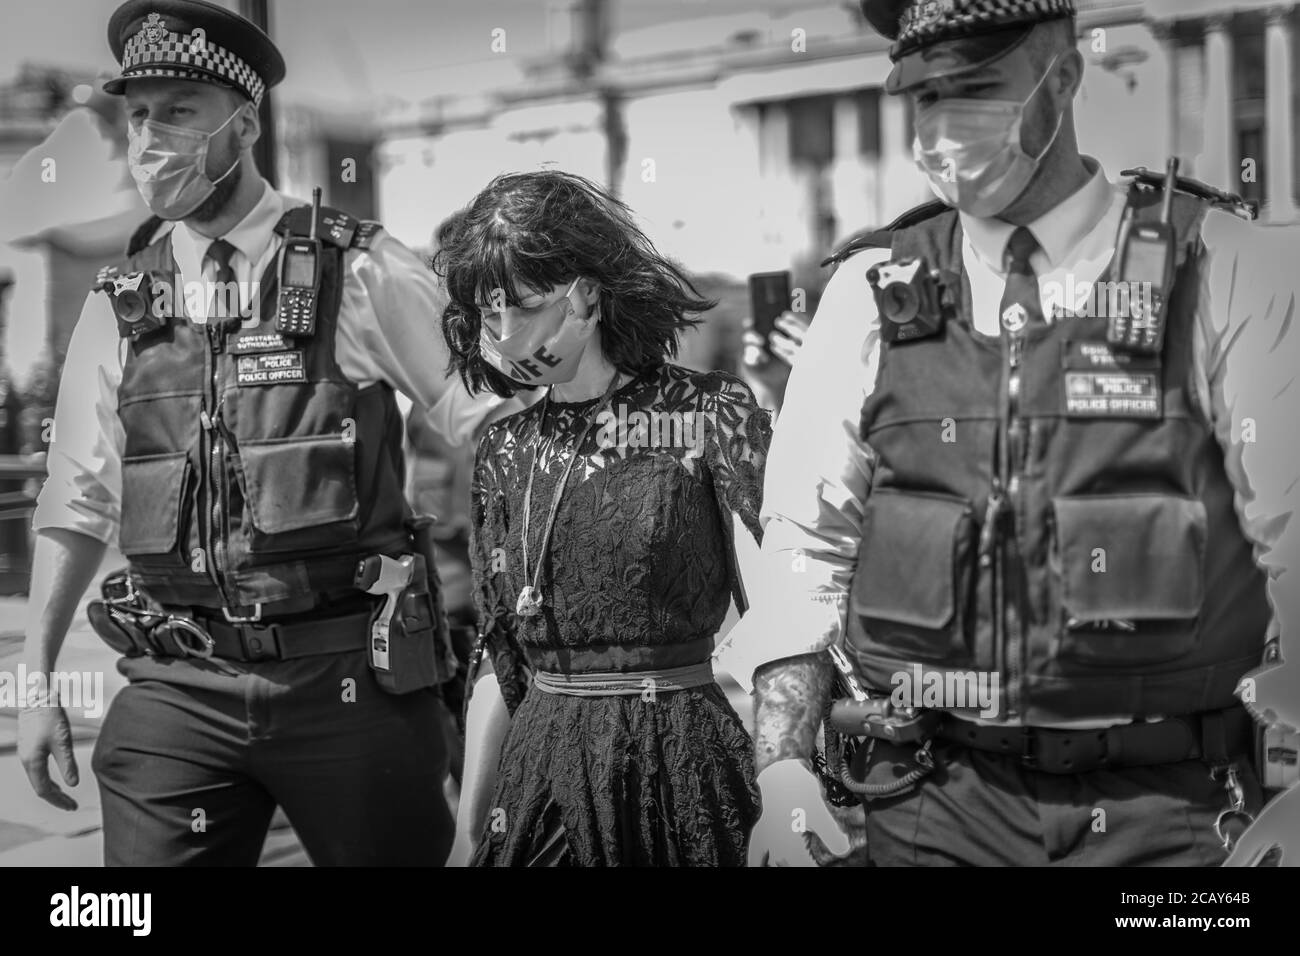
1236,809
141,629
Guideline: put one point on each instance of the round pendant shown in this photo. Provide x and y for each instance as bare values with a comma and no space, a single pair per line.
529,603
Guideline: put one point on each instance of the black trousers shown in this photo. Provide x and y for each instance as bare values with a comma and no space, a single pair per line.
985,809
194,756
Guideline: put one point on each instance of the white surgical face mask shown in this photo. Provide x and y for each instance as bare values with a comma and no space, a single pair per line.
169,165
970,150
546,350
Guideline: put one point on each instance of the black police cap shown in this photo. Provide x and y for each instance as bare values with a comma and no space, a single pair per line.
192,40
942,38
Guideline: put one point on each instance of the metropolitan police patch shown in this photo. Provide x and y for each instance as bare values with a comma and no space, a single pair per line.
1101,382
270,368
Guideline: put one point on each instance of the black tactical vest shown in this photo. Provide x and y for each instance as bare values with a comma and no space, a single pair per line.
1060,517
254,470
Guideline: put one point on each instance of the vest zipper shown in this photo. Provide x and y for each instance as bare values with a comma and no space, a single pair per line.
215,467
1012,461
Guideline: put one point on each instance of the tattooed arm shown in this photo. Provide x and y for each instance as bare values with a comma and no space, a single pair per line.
790,697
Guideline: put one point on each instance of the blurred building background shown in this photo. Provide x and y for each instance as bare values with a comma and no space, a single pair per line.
749,135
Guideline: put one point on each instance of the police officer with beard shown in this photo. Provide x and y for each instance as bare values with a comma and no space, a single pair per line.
246,465
1029,546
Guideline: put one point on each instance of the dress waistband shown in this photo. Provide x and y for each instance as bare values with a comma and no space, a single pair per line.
622,670
619,658
625,684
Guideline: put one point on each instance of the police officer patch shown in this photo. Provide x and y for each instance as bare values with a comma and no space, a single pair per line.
270,368
1101,382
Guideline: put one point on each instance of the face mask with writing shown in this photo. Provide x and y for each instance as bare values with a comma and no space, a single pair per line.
970,151
169,165
546,351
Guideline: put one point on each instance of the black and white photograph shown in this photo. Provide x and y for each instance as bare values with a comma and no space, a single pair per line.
651,433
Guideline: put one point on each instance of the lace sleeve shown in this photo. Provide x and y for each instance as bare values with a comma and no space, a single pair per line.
738,433
496,622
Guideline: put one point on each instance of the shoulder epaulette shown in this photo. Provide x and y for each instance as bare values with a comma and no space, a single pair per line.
337,227
367,229
1220,199
143,235
881,238
104,275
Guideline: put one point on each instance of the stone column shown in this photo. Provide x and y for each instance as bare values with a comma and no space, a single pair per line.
1279,128
1163,31
899,180
1219,158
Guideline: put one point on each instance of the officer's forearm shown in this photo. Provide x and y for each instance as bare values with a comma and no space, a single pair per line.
790,697
63,565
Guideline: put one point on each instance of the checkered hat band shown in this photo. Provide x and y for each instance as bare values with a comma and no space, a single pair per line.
142,58
932,20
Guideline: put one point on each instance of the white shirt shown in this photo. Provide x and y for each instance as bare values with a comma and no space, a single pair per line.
389,330
1246,357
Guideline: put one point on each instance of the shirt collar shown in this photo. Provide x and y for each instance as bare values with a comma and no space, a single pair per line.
1058,230
250,236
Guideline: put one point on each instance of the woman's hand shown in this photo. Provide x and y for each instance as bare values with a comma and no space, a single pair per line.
462,849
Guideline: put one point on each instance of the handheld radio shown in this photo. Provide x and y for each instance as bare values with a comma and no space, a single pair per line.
1146,256
300,273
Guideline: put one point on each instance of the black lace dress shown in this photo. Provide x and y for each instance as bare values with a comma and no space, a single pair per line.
641,556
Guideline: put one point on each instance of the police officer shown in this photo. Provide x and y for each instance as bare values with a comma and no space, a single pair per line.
1045,532
245,465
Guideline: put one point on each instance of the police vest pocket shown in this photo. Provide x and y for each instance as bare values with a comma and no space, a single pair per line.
912,587
301,490
154,488
1130,573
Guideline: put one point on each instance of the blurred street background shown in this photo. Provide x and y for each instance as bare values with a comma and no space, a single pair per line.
748,135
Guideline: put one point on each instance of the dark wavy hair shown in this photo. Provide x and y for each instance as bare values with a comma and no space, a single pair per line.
529,232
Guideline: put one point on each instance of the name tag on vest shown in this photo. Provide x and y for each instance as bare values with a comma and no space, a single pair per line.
270,368
258,342
1102,382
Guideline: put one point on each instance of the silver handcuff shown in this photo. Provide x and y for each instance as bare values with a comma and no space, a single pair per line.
1236,808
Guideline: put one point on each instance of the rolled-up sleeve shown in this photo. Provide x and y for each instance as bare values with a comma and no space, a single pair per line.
1247,358
816,484
83,491
390,330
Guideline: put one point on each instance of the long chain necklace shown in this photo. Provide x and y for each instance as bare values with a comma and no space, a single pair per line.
529,603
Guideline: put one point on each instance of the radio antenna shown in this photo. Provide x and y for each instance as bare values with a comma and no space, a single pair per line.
1167,202
315,210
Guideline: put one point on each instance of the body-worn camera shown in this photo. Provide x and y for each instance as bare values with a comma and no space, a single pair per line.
908,298
140,302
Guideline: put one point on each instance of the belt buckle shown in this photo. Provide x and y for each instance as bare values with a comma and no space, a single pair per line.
183,625
243,619
260,643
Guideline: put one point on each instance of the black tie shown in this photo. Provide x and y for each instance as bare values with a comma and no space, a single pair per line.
1021,306
220,252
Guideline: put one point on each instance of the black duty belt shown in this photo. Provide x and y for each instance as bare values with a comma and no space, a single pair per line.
1213,736
286,640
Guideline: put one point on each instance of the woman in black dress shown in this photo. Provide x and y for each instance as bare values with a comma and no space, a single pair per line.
602,542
